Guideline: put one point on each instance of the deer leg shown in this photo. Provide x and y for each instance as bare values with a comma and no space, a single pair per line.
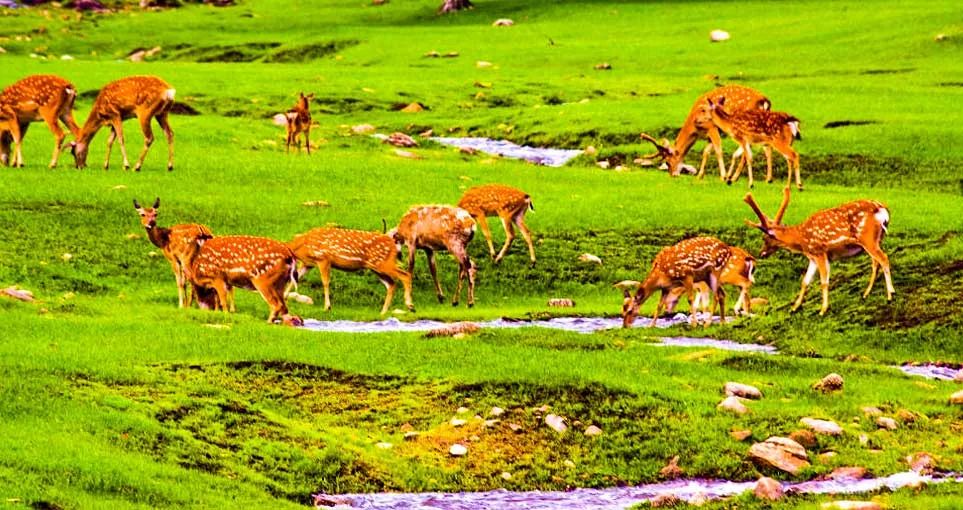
411,258
483,224
880,257
179,276
148,140
520,221
433,268
111,136
705,159
324,268
392,271
67,118
716,142
807,279
768,150
118,125
390,285
736,157
223,295
509,237
17,149
169,134
658,306
748,158
719,299
307,139
823,265
745,160
272,297
689,287
795,159
59,136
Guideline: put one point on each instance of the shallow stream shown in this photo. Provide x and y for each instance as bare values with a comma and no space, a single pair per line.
504,148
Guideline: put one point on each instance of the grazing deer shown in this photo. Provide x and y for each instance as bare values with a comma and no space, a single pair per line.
738,271
699,259
178,243
252,263
840,232
144,97
299,121
351,250
507,203
39,97
439,228
699,125
747,127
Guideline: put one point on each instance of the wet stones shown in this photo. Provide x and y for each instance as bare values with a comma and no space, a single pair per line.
921,462
734,389
780,453
848,473
829,384
825,427
768,489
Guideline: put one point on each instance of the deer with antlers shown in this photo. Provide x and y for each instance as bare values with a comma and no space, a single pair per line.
178,243
39,97
739,271
439,228
351,250
747,127
699,125
698,259
298,121
830,234
509,204
144,97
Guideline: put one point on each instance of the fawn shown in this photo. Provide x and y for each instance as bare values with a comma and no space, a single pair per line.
39,97
507,203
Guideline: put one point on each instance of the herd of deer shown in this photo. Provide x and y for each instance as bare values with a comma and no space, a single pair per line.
209,267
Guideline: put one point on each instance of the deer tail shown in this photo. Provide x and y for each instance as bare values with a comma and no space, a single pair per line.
793,124
531,205
384,226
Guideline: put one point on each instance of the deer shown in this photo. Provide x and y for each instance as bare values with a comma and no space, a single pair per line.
351,250
507,203
438,228
253,263
698,259
10,134
144,97
178,243
299,121
839,232
699,125
738,271
38,97
774,129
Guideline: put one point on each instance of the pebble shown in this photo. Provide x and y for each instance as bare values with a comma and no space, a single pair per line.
886,423
384,445
592,431
848,473
462,410
457,422
825,427
718,35
18,294
496,411
503,22
411,435
734,389
458,450
363,129
957,398
589,258
557,423
733,404
514,427
851,505
740,435
830,383
506,475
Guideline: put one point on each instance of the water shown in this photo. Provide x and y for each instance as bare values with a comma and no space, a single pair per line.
504,148
618,498
931,371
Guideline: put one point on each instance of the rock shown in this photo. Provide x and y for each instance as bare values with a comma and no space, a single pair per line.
830,383
826,457
871,411
18,294
863,439
643,162
886,423
939,37
503,22
481,64
780,453
458,450
414,108
384,446
463,328
733,404
137,56
66,57
557,423
740,435
292,320
593,431
506,475
768,489
921,462
627,285
957,398
363,129
561,303
471,151
432,54
671,470
451,54
325,500
851,505
665,501
457,422
66,257
411,435
568,463
462,410
516,428
399,139
591,150
603,66
496,411
316,203
825,427
734,389
959,376
300,298
406,154
491,423
589,258
544,408
718,35
848,473
604,164
804,437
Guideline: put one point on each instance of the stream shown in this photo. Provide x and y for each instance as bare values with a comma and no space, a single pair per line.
504,148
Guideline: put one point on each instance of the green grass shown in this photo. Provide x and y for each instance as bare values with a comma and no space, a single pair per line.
114,398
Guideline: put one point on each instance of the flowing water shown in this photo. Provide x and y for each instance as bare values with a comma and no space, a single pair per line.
504,148
932,371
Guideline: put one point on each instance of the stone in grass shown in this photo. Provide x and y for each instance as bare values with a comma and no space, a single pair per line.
804,437
780,453
740,435
825,427
848,473
399,139
921,462
463,328
557,423
959,376
593,431
516,428
768,489
18,294
957,398
363,129
851,505
458,450
503,22
830,383
733,404
886,423
496,411
665,501
561,303
671,471
457,422
411,435
384,445
734,389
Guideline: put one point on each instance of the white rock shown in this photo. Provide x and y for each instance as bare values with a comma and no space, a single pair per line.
957,398
506,475
734,389
603,164
825,427
886,423
557,423
496,411
733,404
300,298
458,450
483,64
66,57
592,430
363,129
384,446
589,258
462,410
491,423
503,22
457,422
568,463
718,35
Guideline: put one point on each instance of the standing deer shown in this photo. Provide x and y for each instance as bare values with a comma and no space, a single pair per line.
747,127
840,232
699,125
178,243
351,250
39,97
144,97
738,271
699,259
252,263
299,121
507,203
439,227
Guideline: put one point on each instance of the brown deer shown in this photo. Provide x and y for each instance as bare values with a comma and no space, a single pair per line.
351,250
507,203
699,125
738,271
299,121
699,259
252,263
830,234
144,97
10,134
178,243
39,97
438,228
748,127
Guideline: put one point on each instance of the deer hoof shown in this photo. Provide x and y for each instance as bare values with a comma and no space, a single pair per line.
729,183
471,305
454,303
170,168
441,299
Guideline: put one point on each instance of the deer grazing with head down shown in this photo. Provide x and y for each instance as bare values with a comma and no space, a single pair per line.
698,259
830,234
739,271
351,250
39,97
748,127
144,97
439,228
178,243
698,125
298,121
509,204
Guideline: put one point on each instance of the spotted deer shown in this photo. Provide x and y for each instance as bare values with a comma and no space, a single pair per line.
253,263
830,234
699,125
144,97
178,243
351,250
509,204
299,121
747,127
739,271
39,97
438,228
698,259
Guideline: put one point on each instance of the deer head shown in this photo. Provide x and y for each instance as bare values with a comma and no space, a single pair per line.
148,215
79,151
664,151
770,227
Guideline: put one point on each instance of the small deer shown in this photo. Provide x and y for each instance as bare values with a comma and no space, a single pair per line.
39,97
699,125
299,121
747,127
439,228
248,262
830,234
351,250
698,259
507,203
738,271
178,243
144,97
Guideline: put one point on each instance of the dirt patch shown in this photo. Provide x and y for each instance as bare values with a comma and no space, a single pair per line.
843,123
951,84
889,71
863,170
184,109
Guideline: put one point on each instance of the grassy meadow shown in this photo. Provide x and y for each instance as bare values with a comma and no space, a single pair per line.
112,397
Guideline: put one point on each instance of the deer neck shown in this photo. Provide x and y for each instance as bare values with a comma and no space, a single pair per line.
159,236
791,238
90,128
686,138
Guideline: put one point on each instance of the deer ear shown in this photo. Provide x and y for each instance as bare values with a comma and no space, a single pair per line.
136,205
